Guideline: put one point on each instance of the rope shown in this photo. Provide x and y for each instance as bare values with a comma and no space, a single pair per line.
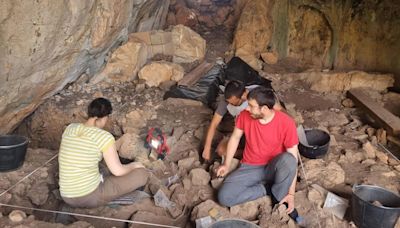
308,188
87,216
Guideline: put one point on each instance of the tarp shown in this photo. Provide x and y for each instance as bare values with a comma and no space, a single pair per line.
206,89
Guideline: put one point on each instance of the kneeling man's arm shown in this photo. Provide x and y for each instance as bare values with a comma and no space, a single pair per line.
230,151
292,189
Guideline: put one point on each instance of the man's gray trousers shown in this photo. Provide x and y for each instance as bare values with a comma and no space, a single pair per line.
249,182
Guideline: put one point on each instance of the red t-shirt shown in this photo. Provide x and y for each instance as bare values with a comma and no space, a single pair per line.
265,141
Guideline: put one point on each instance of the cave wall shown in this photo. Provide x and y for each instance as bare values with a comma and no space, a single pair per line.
45,45
327,34
342,35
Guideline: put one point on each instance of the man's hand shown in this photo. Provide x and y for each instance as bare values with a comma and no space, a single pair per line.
289,199
206,154
222,170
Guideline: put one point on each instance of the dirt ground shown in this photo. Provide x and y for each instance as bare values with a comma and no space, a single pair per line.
354,155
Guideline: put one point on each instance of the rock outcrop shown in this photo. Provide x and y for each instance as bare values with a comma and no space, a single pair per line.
47,45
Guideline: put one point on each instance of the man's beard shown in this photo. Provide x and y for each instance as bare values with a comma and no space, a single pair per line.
256,116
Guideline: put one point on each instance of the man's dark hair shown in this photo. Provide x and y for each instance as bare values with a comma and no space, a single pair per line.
99,107
234,88
263,96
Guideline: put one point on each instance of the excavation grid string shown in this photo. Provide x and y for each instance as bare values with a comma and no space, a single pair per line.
87,216
51,159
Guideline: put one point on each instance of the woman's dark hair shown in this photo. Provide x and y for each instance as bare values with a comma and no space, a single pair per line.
99,107
263,96
234,88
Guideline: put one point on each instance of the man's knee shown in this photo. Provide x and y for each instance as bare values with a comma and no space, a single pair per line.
288,160
225,197
140,176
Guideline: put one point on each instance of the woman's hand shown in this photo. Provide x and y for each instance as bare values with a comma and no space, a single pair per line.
136,165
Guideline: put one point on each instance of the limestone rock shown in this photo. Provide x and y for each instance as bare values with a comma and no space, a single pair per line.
38,194
370,150
316,197
328,175
253,32
186,163
328,118
82,33
348,103
17,216
157,72
217,182
250,210
270,57
202,210
199,176
130,145
189,46
325,82
124,63
381,135
186,16
382,156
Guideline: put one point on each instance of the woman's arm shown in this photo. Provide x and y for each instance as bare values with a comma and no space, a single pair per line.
114,165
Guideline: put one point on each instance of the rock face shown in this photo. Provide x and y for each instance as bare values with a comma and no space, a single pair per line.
336,34
253,32
324,82
48,45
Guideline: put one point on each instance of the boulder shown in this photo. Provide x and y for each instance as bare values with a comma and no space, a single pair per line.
328,118
270,57
124,64
329,175
199,176
130,146
186,163
189,46
38,194
250,210
157,72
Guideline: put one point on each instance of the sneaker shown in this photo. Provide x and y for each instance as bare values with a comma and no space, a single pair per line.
301,221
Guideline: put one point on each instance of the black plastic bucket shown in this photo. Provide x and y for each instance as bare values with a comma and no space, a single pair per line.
318,144
233,223
367,214
12,152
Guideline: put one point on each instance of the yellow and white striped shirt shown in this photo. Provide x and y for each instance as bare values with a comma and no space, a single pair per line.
80,153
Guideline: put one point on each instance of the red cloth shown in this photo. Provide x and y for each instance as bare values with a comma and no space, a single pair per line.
265,141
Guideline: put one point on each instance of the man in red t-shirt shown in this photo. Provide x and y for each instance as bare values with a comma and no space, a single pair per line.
269,164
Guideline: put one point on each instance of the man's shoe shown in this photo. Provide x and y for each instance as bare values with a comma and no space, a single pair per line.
301,221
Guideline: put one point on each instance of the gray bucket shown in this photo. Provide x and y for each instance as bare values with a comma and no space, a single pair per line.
366,214
12,152
233,223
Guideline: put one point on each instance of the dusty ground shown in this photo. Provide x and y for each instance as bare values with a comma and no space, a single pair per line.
353,156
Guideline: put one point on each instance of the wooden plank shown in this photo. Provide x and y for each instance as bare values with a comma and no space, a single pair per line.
193,76
386,119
